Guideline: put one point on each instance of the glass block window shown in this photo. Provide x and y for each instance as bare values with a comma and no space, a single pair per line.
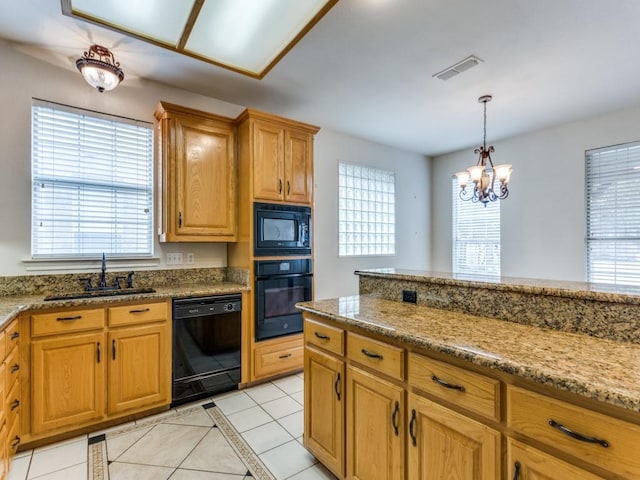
366,211
476,236
92,184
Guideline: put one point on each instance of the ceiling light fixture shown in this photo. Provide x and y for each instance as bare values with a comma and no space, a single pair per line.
484,174
100,69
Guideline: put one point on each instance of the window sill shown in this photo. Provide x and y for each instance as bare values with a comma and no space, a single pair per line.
88,264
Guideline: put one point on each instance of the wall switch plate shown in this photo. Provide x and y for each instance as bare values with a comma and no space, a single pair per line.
191,258
409,296
174,258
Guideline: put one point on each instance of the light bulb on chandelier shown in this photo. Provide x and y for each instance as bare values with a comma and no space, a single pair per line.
484,175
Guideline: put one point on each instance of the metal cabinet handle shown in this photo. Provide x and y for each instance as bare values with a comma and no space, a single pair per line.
394,418
578,436
15,442
14,335
321,336
113,349
371,354
14,368
337,385
179,219
141,310
286,355
412,426
516,471
288,187
64,319
280,188
15,404
98,351
446,384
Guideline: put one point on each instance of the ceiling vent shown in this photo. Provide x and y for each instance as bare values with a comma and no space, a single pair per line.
461,66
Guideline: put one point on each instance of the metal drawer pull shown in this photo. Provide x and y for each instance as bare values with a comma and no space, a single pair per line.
64,319
15,368
371,354
16,442
447,385
321,336
286,355
15,404
336,385
394,418
578,436
113,349
98,351
288,187
142,310
280,188
412,426
14,335
516,471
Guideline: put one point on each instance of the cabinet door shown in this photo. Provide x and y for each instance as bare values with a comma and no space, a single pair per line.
68,381
139,367
446,444
324,409
205,179
528,463
375,427
268,162
298,167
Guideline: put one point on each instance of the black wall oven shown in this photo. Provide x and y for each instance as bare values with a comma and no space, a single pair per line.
280,284
206,346
281,230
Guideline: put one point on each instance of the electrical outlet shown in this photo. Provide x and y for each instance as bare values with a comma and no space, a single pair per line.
174,258
409,296
191,258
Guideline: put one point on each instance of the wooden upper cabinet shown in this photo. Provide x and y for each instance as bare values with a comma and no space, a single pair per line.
197,175
281,155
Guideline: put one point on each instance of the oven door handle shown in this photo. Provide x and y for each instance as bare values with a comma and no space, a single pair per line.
291,275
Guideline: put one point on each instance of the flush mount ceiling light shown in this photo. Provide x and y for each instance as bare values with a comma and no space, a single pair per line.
100,69
484,174
246,36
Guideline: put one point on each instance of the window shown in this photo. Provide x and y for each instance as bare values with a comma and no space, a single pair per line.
91,184
613,214
367,211
476,236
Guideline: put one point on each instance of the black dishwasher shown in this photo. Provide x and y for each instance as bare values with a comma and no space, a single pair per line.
206,346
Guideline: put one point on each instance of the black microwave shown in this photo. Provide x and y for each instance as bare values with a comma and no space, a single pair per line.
281,230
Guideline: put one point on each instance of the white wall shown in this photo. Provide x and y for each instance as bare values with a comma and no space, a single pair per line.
333,275
23,77
543,220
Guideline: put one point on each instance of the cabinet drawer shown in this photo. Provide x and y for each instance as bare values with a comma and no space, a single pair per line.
469,390
541,418
12,336
12,369
380,356
324,336
66,322
279,358
12,404
136,314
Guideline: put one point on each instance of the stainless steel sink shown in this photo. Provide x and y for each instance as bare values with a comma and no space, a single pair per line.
100,293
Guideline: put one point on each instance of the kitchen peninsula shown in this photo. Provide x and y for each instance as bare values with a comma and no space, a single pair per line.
511,377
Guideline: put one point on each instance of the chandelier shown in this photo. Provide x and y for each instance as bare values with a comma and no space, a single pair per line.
484,175
100,69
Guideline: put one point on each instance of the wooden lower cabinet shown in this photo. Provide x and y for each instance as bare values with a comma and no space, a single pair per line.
324,428
139,370
68,375
277,356
445,444
375,427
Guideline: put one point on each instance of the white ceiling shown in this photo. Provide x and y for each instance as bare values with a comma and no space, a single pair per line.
366,68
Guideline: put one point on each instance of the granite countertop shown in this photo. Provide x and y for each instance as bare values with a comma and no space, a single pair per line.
12,305
558,288
600,369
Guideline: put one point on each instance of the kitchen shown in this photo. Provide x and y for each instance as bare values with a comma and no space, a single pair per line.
549,156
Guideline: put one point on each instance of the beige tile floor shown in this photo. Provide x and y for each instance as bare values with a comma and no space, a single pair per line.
269,417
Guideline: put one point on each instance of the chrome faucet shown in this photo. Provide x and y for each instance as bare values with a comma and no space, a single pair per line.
103,272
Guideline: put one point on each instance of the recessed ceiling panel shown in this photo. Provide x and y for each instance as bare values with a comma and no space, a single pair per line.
249,34
159,20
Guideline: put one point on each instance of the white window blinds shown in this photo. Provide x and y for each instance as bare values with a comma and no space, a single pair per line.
366,211
613,214
92,184
476,236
